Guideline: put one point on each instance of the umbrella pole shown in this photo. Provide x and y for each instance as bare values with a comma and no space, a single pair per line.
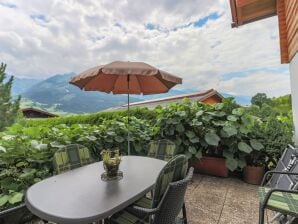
128,117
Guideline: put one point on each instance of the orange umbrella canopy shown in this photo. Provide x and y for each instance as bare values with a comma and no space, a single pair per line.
114,77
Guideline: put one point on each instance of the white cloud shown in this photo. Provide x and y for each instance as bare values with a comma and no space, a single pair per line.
42,38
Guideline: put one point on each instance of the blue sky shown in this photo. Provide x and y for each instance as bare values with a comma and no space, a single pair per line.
192,39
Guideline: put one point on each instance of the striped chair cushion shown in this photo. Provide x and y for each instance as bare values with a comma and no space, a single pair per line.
174,170
125,217
283,202
144,202
70,157
162,149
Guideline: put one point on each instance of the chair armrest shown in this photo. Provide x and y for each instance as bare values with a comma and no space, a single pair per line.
144,211
275,172
268,195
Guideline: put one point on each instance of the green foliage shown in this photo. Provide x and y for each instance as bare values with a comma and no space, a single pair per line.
274,135
198,129
8,107
26,152
96,119
240,135
259,99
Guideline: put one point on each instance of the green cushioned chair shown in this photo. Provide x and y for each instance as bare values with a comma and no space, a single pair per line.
162,149
155,210
282,201
70,157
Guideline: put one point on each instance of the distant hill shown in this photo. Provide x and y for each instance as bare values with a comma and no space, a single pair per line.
20,85
56,95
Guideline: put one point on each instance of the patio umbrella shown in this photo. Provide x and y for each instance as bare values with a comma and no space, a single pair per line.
128,78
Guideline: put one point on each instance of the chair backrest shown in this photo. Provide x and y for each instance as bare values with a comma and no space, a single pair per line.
162,149
70,157
286,163
172,201
174,170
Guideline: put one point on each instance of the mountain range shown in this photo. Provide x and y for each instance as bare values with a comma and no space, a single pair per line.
55,94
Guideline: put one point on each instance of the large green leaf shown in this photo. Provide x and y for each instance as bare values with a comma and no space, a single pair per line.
178,140
218,123
194,140
242,146
212,138
199,154
16,198
190,134
232,118
192,150
238,111
188,154
231,164
199,113
119,139
217,113
230,130
219,106
256,144
3,200
2,149
180,128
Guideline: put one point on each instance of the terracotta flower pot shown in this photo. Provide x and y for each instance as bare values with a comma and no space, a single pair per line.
253,174
211,165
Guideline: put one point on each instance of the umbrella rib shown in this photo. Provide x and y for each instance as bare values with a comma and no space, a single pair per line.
140,85
117,77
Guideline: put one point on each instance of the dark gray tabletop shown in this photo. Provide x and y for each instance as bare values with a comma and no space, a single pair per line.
80,196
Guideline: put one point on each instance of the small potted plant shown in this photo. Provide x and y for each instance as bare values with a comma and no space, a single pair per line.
111,161
254,171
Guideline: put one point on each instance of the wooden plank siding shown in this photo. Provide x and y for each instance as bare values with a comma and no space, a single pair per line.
291,11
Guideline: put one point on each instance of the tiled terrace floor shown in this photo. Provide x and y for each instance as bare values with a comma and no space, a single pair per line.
213,200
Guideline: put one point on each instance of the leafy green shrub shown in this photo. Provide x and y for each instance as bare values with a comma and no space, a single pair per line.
26,152
219,130
240,135
94,119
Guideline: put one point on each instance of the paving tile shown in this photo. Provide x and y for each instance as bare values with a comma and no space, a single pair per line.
218,191
197,215
232,220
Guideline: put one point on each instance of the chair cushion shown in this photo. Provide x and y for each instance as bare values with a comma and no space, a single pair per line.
174,170
70,157
125,217
286,203
144,202
162,149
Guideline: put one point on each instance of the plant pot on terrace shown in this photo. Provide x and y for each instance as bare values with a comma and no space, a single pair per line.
211,165
254,171
253,174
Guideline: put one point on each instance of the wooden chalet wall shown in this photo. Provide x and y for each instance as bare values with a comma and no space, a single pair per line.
287,11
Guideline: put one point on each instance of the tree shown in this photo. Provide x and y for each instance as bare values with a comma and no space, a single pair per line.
259,99
9,108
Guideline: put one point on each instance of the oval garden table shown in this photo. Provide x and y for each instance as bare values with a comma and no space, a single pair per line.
80,196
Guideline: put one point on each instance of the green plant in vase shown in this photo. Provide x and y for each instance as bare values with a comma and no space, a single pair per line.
111,161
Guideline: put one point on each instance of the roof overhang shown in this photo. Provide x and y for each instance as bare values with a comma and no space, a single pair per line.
247,11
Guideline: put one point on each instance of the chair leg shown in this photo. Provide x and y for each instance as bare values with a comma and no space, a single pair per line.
184,213
261,214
